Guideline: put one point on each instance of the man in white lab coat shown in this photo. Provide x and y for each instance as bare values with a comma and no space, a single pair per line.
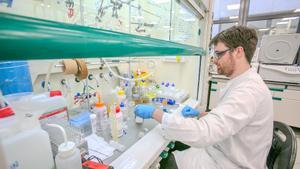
237,133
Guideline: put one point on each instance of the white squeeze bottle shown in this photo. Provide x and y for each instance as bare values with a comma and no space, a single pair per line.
124,111
119,120
68,156
101,112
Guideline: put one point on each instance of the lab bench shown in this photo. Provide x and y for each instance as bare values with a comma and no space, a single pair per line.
144,144
133,134
148,150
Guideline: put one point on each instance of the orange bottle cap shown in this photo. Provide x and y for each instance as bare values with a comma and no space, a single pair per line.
99,103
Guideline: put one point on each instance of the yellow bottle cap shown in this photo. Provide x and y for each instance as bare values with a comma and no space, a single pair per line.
121,92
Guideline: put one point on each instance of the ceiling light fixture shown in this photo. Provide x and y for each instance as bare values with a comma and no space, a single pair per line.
233,6
290,18
263,29
233,17
281,23
160,1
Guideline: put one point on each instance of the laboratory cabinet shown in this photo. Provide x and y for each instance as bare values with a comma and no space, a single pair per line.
286,99
215,86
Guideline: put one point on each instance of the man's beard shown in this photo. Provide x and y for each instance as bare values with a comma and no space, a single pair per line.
229,69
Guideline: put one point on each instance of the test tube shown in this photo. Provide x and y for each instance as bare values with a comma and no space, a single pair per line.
94,123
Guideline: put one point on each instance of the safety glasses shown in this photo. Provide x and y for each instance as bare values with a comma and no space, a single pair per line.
219,54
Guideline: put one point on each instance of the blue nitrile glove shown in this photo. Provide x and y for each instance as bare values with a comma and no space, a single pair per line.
187,111
144,111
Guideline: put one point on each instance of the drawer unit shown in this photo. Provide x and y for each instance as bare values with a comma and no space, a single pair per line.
286,102
287,111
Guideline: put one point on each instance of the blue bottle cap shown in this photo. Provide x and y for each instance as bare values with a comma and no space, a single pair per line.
171,101
161,99
122,104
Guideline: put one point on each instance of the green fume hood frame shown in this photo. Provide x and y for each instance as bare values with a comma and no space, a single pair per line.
26,38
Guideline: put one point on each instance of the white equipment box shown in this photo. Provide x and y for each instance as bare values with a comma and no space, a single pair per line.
277,73
279,49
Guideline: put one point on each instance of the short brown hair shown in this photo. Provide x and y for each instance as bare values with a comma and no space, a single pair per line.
238,36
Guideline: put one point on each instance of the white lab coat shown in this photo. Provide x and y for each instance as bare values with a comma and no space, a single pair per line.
237,133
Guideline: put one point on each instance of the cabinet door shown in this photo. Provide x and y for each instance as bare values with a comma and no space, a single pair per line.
286,105
287,111
214,93
216,86
287,94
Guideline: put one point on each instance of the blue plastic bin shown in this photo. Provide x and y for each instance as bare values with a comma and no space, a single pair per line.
15,77
82,122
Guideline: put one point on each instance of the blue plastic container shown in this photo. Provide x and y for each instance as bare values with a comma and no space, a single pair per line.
15,77
82,122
